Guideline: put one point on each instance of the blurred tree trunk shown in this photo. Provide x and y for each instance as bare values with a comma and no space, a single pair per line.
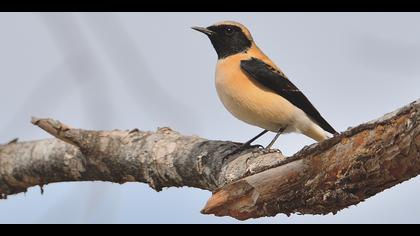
320,179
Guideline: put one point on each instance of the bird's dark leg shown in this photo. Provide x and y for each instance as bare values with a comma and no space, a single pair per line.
275,138
246,145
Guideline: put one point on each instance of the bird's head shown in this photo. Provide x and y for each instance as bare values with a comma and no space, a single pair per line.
228,38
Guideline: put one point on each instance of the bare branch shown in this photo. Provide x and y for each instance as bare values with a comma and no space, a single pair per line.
320,179
163,158
332,175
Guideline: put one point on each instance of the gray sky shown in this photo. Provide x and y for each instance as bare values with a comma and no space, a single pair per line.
147,70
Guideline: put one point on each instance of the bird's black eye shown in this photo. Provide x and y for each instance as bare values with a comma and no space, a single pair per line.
229,31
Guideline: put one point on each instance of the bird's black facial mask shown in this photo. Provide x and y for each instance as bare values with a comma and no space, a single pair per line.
228,40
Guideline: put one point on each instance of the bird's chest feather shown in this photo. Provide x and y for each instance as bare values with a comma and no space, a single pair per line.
233,86
249,101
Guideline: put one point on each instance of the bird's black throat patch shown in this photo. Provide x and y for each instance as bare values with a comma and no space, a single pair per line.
228,40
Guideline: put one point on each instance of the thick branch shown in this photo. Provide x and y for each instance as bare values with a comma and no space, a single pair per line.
332,175
163,158
322,178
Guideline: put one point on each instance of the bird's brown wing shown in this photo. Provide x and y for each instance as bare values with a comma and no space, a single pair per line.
273,79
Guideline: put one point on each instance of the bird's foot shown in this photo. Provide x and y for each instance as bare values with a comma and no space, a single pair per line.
242,148
256,146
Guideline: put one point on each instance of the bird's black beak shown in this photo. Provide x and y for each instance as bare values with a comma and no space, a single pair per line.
203,30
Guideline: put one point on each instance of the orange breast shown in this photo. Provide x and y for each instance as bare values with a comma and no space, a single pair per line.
248,100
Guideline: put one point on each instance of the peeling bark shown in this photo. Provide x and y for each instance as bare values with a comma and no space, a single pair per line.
332,175
322,178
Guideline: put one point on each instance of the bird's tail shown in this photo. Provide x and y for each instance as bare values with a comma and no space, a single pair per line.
317,133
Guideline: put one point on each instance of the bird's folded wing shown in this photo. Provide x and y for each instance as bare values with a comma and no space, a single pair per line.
273,79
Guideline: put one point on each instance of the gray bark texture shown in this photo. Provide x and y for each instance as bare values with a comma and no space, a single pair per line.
322,178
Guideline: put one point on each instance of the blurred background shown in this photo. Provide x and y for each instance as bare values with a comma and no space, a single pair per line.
148,70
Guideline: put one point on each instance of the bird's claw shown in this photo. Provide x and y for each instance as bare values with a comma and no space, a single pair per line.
243,147
256,146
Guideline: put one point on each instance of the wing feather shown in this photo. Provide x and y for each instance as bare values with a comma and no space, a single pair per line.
275,80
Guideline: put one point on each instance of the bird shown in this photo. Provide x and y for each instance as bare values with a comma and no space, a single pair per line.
254,90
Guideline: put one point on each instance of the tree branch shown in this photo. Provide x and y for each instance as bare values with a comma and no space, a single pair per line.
319,179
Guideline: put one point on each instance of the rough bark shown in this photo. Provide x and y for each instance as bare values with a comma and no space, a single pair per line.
163,158
332,175
319,179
